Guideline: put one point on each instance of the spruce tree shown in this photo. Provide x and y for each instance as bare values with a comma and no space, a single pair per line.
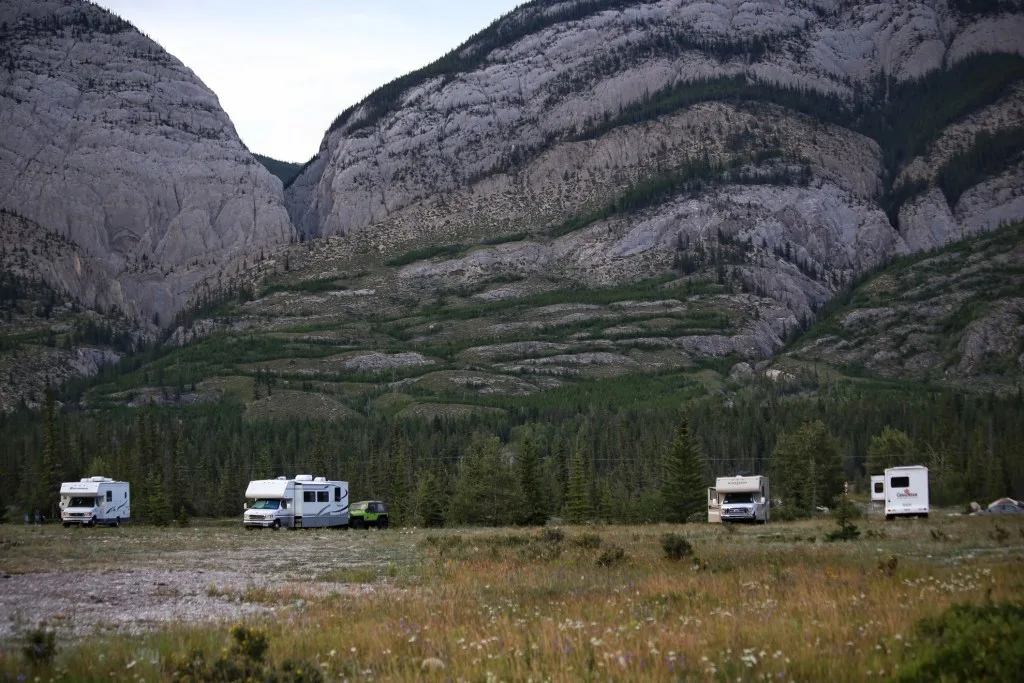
429,503
535,511
807,468
578,509
684,485
891,448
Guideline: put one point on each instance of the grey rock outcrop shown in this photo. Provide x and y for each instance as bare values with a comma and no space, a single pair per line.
110,141
429,135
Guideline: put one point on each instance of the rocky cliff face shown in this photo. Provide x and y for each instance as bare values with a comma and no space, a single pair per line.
782,148
111,142
553,69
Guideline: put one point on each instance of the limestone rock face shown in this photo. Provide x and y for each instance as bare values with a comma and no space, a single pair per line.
576,63
111,142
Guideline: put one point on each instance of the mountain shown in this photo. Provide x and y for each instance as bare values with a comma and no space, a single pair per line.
591,215
113,144
756,158
285,170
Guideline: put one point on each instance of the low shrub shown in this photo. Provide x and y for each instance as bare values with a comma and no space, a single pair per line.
587,541
675,546
40,646
243,661
611,556
975,643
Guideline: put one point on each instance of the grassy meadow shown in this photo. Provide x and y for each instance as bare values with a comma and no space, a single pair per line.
777,602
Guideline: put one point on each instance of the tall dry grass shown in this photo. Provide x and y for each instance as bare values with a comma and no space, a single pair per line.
760,603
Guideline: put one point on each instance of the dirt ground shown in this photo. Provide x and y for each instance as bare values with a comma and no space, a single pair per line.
132,579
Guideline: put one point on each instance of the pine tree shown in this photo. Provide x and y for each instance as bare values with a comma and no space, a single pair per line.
808,468
891,448
429,503
578,509
48,488
486,490
400,489
684,485
535,511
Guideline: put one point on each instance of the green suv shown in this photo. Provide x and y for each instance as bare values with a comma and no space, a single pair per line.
367,513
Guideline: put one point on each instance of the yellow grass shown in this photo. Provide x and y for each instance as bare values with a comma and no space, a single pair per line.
757,603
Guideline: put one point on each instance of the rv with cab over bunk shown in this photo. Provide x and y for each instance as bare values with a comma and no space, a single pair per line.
95,500
304,502
739,499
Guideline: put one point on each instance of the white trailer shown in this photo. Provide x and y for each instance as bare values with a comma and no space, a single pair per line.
301,503
906,491
714,507
877,488
95,500
743,499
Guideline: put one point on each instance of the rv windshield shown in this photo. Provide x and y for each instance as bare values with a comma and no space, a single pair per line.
747,497
82,502
265,504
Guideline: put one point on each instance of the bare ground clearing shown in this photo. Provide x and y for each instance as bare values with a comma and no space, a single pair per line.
132,579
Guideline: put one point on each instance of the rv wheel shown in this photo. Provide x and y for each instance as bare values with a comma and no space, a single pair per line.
383,523
65,525
117,522
276,525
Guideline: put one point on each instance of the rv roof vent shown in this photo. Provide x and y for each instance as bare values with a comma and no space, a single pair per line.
320,479
303,477
85,479
282,478
99,479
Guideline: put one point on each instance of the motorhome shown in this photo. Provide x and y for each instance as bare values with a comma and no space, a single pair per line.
906,491
301,503
743,498
877,488
95,500
714,507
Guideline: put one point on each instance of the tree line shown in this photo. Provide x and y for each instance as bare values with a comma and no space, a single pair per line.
620,460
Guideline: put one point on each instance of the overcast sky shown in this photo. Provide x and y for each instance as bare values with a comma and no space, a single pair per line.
284,69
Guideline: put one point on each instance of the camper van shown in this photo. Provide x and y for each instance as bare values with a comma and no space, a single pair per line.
877,488
304,502
906,491
742,498
95,500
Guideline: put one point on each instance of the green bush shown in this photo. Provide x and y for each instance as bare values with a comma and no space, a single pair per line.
845,511
675,546
611,556
243,661
40,647
976,643
587,541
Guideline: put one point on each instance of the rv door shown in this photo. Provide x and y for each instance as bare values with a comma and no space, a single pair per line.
714,506
298,506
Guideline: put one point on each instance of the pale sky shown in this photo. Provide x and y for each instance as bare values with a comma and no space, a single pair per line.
284,69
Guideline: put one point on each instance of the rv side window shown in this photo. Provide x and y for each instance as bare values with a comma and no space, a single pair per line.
879,487
309,496
110,496
899,482
323,497
337,494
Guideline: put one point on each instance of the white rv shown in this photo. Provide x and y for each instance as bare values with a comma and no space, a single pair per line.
302,502
95,500
877,488
906,491
743,499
